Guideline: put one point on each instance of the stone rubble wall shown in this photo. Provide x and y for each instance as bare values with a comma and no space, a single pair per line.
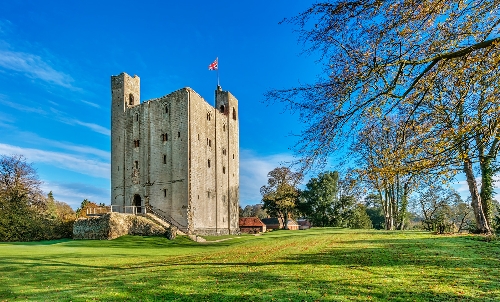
113,225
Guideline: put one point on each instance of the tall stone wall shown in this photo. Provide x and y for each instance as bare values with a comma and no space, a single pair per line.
203,206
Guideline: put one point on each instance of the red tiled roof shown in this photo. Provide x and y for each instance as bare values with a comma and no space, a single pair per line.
250,221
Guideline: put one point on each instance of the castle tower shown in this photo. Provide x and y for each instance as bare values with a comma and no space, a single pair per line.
125,93
176,155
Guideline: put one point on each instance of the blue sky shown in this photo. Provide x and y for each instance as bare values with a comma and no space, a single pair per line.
56,59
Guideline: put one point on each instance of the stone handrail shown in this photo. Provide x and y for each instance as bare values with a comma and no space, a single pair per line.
165,217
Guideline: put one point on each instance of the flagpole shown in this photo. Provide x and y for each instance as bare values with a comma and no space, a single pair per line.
218,84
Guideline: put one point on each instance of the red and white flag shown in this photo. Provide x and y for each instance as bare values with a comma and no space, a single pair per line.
214,65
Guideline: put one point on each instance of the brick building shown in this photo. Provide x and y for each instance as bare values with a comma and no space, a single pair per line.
176,155
252,225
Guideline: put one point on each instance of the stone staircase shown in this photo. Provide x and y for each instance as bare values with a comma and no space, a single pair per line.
164,219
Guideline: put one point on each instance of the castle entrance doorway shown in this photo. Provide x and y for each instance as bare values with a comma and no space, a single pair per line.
138,202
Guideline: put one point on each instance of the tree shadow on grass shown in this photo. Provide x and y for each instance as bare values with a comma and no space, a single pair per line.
390,269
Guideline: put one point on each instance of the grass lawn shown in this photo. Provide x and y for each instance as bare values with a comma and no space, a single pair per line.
314,265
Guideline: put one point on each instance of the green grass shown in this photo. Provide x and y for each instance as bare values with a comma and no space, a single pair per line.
314,265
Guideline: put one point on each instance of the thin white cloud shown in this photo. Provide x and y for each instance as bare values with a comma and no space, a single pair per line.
66,161
91,126
33,66
253,173
5,26
21,107
33,138
94,127
59,115
74,193
91,104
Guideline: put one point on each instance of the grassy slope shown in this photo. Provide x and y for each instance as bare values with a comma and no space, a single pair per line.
318,264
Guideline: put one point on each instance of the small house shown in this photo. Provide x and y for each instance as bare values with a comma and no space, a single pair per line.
273,223
292,225
251,225
304,224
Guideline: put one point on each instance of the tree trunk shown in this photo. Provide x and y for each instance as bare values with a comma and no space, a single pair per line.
487,188
404,206
388,211
481,222
285,220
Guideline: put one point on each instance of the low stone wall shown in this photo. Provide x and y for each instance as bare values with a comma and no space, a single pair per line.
114,225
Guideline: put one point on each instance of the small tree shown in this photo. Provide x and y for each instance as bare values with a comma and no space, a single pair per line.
280,196
319,199
359,218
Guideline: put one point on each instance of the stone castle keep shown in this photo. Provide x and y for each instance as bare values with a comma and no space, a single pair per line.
176,156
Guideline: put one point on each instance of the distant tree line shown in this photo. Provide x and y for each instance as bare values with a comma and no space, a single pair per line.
331,200
26,214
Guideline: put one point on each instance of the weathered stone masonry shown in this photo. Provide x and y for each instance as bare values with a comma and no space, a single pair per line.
178,154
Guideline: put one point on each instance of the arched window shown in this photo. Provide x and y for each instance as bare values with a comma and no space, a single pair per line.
166,109
137,116
222,108
131,99
234,114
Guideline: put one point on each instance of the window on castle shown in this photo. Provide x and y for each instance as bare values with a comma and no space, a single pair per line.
118,168
208,117
198,136
224,127
166,109
164,192
136,143
209,163
223,170
131,99
224,151
166,136
210,143
178,134
136,164
222,108
164,159
163,137
233,156
137,117
234,114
